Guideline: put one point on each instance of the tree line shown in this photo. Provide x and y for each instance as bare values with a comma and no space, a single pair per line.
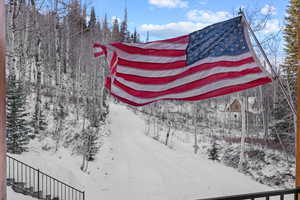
51,72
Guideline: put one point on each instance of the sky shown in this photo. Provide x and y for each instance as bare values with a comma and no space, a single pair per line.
170,18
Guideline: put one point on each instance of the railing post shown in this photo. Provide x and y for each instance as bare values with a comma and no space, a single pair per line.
83,194
38,184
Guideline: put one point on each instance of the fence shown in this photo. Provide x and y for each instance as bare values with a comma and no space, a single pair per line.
288,194
31,181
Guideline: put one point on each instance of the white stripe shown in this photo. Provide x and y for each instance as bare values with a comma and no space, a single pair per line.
145,58
109,56
191,93
98,50
172,72
184,80
159,45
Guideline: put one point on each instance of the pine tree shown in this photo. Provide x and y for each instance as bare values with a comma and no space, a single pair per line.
124,32
213,152
106,31
148,37
18,132
135,37
115,31
42,125
291,48
82,22
93,143
282,122
90,145
93,19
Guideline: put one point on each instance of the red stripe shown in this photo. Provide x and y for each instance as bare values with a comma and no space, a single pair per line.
152,66
189,86
97,45
114,59
97,54
108,83
168,79
181,40
215,93
149,52
113,63
230,89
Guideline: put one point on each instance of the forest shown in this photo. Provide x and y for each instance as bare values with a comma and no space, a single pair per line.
52,76
54,82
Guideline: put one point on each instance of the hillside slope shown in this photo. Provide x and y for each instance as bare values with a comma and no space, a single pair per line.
133,166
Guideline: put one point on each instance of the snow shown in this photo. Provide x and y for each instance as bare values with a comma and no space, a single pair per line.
131,165
146,169
11,195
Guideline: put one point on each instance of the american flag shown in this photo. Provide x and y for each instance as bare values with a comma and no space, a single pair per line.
211,62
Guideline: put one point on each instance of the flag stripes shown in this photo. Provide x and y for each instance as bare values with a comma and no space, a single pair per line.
163,72
148,51
215,67
149,72
215,93
159,45
143,83
144,59
195,94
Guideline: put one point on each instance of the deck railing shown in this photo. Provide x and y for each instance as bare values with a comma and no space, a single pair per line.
288,194
31,181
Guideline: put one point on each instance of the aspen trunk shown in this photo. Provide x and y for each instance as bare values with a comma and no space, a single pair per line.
264,113
168,134
196,147
243,133
14,58
38,64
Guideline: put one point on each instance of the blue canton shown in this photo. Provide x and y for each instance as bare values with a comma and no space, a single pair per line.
222,39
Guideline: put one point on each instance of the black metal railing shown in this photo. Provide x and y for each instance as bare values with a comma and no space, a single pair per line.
289,194
31,181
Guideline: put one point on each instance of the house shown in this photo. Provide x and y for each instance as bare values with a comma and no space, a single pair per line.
252,107
253,110
234,106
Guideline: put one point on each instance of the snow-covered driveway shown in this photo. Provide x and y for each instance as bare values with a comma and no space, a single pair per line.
144,169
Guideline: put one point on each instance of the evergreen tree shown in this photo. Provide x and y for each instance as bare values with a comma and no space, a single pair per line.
213,152
106,31
115,31
291,48
93,19
93,143
42,125
282,122
135,37
124,32
147,37
18,132
90,142
83,18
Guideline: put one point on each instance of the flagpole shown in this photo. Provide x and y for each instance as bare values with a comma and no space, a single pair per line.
297,143
295,112
288,99
2,105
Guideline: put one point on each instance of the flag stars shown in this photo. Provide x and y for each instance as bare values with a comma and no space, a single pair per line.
217,40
